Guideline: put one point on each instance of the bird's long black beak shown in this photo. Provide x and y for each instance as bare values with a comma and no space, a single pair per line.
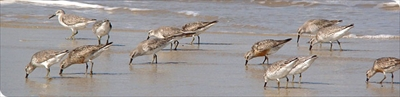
148,37
367,80
26,76
52,16
246,62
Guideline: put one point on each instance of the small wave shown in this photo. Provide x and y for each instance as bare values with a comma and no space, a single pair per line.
396,3
381,36
189,13
72,4
6,2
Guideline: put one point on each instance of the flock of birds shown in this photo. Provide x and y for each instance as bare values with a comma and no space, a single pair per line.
324,30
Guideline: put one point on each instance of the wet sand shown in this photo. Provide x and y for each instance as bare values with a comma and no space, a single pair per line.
213,68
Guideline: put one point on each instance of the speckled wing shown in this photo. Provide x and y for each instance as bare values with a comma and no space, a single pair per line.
152,44
276,66
84,51
264,45
42,56
388,62
192,26
70,19
168,31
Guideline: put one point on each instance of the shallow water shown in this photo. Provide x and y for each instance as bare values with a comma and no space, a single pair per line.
213,68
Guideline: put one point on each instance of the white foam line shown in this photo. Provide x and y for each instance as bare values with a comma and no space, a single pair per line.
189,13
5,2
381,36
76,4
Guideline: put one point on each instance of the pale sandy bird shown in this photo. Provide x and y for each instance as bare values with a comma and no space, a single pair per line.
83,54
384,65
313,25
44,58
102,28
264,48
199,27
330,34
154,45
302,65
74,22
163,32
278,70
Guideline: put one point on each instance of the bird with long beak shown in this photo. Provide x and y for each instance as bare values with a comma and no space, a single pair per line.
384,65
330,34
313,25
198,27
278,70
83,54
44,58
166,31
74,22
264,48
154,45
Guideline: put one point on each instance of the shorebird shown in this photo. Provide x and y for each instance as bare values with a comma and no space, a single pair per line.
313,25
302,65
154,45
102,28
330,34
264,48
384,65
199,27
278,70
44,58
72,21
84,54
164,32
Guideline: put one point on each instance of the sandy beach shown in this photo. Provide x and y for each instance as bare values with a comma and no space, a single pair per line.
213,68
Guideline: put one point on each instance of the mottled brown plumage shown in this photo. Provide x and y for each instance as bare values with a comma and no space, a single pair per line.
264,48
154,45
199,27
44,58
313,25
384,65
84,54
74,22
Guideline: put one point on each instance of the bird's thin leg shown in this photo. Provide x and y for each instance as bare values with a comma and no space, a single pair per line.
48,72
154,58
108,37
91,68
331,45
339,45
265,58
191,43
86,68
198,40
300,78
384,77
287,81
392,77
293,78
177,43
98,39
